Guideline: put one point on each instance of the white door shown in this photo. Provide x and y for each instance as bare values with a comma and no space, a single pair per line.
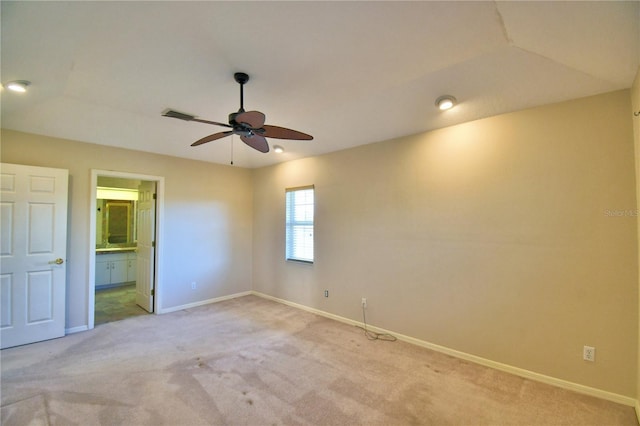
146,245
33,250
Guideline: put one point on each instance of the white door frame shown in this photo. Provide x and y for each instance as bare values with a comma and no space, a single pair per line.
91,278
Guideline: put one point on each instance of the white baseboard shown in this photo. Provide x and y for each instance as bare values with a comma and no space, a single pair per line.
587,390
202,302
312,310
76,329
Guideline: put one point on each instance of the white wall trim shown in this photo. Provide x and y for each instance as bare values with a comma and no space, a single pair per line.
91,273
203,302
587,390
77,329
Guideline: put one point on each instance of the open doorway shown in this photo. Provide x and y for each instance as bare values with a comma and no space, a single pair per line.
126,220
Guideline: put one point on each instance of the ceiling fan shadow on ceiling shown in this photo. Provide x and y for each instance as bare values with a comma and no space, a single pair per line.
249,125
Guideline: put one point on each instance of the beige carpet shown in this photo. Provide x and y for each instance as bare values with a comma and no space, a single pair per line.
255,362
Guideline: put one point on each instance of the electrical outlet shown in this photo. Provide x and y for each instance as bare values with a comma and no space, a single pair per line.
326,293
364,302
193,285
589,353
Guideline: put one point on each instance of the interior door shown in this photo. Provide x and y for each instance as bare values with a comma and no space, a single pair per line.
145,268
33,249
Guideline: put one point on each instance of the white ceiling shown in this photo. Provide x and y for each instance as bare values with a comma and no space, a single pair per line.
348,73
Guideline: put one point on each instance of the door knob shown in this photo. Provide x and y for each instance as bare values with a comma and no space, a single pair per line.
58,261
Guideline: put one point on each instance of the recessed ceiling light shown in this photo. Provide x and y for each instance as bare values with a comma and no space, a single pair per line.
446,102
278,149
19,86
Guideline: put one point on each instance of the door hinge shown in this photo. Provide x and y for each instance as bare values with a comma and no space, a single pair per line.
155,196
153,291
153,244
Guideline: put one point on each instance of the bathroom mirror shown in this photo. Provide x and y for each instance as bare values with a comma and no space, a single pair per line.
116,223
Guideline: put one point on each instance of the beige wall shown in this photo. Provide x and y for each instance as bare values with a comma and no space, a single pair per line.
505,238
208,217
508,238
635,107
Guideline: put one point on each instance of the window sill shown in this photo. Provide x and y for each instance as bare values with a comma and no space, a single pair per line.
308,262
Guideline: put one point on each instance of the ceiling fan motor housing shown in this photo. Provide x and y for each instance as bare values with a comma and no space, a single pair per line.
240,129
232,118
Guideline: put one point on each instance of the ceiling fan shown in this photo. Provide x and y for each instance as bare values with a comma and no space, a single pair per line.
249,125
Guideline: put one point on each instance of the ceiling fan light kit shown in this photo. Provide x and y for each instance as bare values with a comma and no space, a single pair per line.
446,102
249,125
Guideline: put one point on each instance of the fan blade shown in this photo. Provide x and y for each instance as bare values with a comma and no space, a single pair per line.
176,114
255,119
212,122
277,132
188,117
256,142
213,137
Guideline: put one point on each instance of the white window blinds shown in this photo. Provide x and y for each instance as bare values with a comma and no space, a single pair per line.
299,223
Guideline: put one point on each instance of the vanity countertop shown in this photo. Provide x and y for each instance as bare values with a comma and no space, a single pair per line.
115,250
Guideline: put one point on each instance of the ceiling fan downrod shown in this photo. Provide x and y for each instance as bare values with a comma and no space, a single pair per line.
241,78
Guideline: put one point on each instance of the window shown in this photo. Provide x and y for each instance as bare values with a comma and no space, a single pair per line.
299,224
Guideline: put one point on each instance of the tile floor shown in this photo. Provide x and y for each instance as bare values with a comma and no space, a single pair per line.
114,304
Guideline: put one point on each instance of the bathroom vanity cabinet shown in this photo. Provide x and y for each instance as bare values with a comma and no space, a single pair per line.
115,268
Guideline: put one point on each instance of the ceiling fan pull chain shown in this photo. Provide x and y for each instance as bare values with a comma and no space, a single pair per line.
232,138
